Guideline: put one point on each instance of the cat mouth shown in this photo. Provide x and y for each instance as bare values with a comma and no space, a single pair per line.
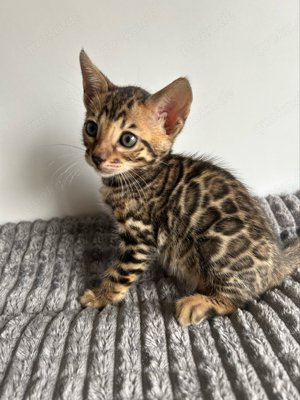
107,171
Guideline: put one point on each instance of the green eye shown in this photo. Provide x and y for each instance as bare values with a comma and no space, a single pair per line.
91,129
128,139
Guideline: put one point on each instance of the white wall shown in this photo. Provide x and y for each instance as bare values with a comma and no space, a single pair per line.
241,57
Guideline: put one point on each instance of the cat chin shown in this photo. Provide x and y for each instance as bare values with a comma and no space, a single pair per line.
108,174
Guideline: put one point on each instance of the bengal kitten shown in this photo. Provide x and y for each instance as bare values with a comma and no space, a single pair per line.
196,217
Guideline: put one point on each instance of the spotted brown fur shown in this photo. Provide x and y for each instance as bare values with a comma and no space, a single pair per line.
194,216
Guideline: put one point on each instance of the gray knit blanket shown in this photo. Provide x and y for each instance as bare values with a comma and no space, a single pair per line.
50,347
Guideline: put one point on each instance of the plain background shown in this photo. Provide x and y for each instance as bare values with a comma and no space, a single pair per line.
240,56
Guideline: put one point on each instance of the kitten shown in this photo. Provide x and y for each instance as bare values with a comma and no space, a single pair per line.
193,215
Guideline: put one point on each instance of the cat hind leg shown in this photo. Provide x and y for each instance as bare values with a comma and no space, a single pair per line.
193,309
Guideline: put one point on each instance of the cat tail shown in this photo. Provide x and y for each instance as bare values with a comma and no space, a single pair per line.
292,253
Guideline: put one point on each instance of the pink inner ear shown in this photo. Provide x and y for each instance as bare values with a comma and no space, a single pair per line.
169,112
171,105
161,115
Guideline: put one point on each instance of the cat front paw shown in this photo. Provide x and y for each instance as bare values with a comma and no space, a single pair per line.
94,298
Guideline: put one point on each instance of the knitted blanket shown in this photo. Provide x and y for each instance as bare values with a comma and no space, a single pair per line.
50,347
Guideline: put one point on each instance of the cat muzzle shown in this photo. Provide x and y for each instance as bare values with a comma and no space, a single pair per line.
97,159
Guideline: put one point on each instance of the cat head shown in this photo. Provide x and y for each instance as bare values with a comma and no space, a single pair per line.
126,127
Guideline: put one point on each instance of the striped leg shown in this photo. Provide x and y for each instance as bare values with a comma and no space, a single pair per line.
118,279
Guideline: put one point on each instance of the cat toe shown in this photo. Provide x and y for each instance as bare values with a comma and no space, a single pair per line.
190,311
92,298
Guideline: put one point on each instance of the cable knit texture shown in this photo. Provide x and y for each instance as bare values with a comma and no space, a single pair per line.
50,347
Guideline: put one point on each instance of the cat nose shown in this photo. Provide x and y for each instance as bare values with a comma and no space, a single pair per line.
98,159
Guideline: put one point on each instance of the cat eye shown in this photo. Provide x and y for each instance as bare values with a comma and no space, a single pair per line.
91,129
128,139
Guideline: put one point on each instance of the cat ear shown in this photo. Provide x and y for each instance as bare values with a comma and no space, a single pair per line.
171,105
94,82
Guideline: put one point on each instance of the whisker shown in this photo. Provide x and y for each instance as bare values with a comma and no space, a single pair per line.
73,68
66,175
135,180
59,169
141,169
127,186
132,170
66,155
77,104
70,83
63,177
68,145
131,180
121,184
63,166
122,177
131,195
72,176
94,109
